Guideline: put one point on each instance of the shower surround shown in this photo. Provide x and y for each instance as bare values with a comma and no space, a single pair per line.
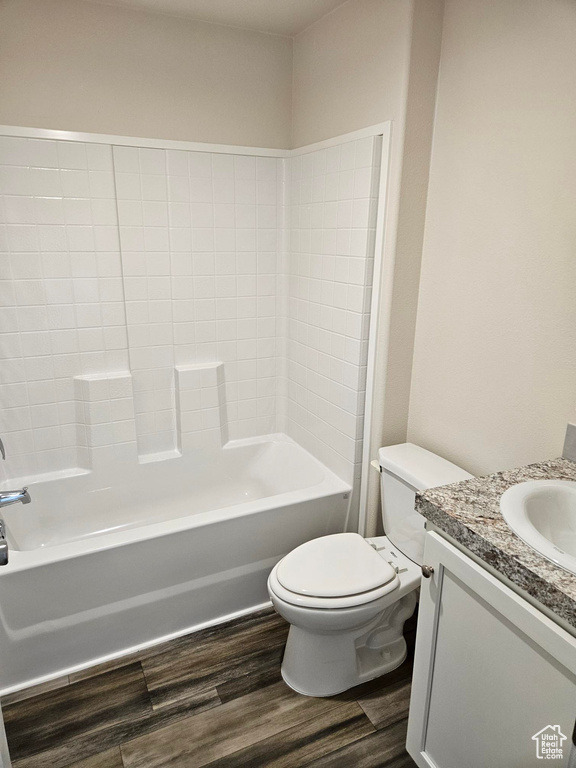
183,346
155,302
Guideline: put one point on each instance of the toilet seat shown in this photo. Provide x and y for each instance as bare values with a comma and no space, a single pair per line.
337,571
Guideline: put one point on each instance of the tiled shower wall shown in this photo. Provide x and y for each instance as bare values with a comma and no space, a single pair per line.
198,236
333,196
149,301
61,297
118,260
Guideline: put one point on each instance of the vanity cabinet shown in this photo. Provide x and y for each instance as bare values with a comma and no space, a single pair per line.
491,672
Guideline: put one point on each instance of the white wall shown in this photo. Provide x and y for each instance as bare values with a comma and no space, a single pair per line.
495,367
123,272
333,196
198,240
144,309
81,66
61,296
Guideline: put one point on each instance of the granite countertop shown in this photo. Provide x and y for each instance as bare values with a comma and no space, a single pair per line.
469,512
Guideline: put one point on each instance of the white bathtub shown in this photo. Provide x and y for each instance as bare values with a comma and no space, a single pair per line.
102,568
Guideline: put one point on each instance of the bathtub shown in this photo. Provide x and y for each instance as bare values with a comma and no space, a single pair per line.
104,565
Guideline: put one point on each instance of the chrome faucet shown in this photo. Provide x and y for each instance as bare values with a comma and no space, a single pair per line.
14,497
3,544
6,498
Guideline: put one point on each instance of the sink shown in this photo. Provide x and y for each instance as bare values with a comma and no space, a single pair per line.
543,514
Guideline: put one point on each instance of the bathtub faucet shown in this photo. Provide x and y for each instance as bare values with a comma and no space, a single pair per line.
7,498
3,544
14,497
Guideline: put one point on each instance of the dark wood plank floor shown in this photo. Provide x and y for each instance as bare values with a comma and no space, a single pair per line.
214,698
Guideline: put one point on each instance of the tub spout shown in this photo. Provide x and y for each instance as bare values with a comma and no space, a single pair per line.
3,544
14,497
7,498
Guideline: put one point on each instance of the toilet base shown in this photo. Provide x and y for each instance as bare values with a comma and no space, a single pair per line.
327,663
376,672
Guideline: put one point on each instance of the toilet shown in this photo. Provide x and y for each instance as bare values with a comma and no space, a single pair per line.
347,598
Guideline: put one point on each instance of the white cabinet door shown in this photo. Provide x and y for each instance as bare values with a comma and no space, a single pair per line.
491,672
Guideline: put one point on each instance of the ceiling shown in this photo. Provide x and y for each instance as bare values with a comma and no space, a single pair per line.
279,17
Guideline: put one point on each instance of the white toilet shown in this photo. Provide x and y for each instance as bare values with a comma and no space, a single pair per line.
347,598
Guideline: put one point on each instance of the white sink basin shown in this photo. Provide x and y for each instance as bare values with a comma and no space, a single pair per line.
543,514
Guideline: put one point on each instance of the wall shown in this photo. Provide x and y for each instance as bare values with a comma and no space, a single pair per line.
61,297
333,201
148,295
494,370
137,302
80,66
395,368
367,62
351,69
198,237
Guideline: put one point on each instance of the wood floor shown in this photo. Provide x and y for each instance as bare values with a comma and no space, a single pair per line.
214,698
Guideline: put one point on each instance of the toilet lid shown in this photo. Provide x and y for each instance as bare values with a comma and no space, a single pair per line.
334,566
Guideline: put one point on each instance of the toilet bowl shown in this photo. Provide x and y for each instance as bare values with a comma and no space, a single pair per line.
336,642
347,598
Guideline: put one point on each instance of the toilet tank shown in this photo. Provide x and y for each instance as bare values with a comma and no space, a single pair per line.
405,469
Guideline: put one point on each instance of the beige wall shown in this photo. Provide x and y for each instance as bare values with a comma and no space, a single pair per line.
418,130
494,378
74,65
351,69
368,62
397,321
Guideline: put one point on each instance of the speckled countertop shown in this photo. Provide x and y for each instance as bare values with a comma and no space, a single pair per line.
469,512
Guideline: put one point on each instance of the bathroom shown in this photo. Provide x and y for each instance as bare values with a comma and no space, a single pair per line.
267,271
